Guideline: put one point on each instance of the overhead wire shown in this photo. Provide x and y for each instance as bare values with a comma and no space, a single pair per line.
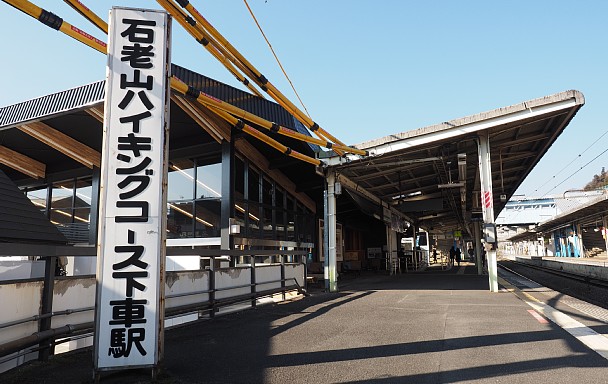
546,194
573,160
578,170
176,84
275,56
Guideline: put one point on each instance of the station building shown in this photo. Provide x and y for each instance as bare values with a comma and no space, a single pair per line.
230,191
577,231
245,220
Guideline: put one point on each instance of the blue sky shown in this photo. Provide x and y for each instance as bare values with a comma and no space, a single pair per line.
367,69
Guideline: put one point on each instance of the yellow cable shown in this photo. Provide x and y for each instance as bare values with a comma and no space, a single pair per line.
275,56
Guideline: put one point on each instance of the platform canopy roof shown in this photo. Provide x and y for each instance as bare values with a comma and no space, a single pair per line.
430,176
588,214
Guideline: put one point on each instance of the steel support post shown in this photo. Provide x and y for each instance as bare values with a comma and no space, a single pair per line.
478,253
389,254
331,277
212,286
254,288
282,276
50,264
227,199
46,305
487,204
94,220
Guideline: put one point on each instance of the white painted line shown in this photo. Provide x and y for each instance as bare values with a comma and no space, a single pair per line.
581,332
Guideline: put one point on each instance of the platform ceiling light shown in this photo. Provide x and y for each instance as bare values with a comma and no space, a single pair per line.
450,185
402,196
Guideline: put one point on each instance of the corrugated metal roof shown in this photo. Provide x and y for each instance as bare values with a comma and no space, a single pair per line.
572,201
53,104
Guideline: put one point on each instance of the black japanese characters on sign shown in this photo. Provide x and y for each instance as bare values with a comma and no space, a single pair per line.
128,314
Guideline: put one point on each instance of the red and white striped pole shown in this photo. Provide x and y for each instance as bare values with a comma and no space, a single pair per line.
487,206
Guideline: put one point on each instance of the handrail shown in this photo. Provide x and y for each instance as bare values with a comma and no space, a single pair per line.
24,249
34,339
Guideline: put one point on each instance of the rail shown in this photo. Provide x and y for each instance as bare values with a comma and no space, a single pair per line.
569,275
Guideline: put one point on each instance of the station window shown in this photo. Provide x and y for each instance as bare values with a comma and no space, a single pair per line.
38,198
193,199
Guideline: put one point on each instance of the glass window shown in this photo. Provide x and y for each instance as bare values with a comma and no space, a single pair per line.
207,219
82,215
239,216
181,181
84,192
268,229
291,233
254,220
82,201
62,195
239,179
209,181
38,198
179,220
280,213
267,191
291,219
279,198
253,186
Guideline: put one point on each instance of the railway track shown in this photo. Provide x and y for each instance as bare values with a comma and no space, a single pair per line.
586,288
574,276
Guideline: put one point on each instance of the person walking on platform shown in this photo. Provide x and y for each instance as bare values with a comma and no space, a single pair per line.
452,254
458,256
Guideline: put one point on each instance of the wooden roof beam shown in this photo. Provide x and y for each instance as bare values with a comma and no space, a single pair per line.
22,163
63,143
96,111
214,129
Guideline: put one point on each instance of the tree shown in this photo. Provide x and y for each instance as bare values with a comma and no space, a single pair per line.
598,182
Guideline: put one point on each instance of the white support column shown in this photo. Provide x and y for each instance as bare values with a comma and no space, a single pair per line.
487,204
331,276
391,248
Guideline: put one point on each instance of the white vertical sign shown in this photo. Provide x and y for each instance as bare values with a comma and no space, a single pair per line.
131,249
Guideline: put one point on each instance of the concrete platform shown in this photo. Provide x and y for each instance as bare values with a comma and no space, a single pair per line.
593,267
595,261
438,326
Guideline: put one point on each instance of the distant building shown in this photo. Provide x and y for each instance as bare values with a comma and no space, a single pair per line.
522,214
